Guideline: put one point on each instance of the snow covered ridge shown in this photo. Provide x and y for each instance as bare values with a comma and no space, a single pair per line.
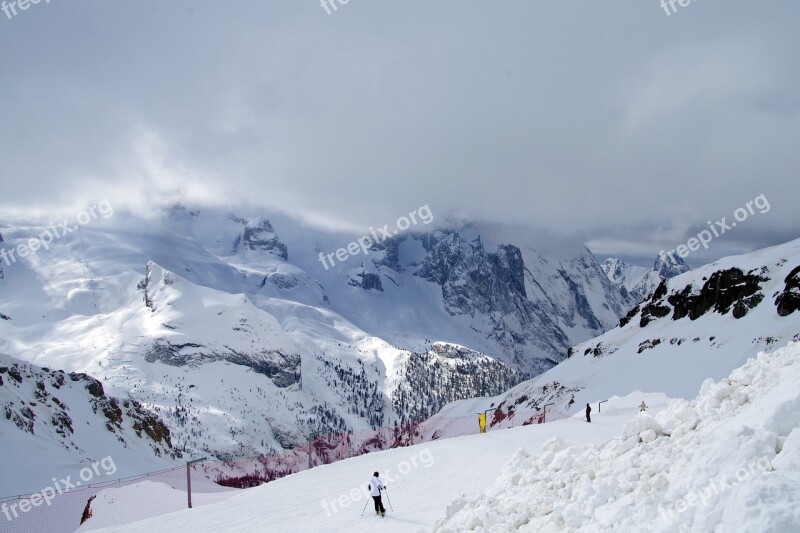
729,460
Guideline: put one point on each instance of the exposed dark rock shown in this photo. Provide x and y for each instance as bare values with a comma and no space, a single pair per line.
660,291
648,345
282,369
94,387
14,373
258,234
23,418
722,290
369,281
627,318
110,409
600,350
154,428
63,423
741,307
788,301
652,311
144,286
57,380
282,281
391,253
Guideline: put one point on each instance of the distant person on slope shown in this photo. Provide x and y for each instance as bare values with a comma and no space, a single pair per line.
643,407
375,488
588,413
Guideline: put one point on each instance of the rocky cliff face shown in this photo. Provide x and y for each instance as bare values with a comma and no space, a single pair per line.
258,234
472,279
531,309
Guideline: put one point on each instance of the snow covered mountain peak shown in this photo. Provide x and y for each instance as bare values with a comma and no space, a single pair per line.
639,282
669,264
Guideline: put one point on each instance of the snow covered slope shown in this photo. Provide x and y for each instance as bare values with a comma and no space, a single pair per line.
726,461
421,480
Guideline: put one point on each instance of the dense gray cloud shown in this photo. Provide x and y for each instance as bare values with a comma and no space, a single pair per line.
609,121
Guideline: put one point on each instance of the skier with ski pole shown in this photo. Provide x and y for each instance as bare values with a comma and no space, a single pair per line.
375,488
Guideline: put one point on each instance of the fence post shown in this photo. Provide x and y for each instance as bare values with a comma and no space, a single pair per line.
544,412
599,404
189,478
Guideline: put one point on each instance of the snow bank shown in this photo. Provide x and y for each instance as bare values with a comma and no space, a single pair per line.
727,461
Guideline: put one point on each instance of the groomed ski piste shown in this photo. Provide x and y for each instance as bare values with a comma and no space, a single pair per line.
728,460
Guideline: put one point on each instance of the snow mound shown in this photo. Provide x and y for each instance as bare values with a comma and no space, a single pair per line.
728,460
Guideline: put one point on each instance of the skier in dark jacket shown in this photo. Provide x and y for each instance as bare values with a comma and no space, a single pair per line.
588,413
375,488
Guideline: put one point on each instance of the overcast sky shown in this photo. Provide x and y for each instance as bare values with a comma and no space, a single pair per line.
607,121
